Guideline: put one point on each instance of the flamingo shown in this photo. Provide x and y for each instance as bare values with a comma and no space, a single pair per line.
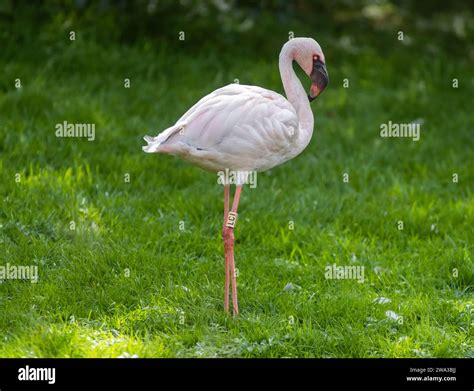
244,129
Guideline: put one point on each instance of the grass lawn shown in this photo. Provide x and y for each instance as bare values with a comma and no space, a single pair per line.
136,266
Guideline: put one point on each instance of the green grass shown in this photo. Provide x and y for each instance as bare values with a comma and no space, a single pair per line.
127,279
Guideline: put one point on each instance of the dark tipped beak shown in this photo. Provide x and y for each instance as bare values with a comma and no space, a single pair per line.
319,79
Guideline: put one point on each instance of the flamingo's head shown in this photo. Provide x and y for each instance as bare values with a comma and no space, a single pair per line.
308,54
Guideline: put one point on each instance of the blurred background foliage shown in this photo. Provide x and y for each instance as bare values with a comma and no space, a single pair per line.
221,23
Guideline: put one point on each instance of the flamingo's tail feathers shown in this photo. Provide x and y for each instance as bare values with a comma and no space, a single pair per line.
154,143
152,146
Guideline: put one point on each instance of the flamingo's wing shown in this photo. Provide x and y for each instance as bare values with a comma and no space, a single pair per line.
236,126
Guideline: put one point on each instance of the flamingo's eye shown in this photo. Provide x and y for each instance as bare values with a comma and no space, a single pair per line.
315,57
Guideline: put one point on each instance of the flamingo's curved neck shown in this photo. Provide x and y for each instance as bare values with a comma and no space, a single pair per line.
296,94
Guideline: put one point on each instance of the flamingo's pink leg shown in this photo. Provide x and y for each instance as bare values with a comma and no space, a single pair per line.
229,240
227,264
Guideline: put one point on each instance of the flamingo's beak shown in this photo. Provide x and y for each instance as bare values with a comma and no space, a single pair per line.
319,79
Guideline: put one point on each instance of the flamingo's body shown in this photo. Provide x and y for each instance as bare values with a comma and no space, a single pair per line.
215,132
248,128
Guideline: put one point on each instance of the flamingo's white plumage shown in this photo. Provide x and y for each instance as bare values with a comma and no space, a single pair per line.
248,128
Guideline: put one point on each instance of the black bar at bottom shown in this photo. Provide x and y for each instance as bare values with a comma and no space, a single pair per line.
406,374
